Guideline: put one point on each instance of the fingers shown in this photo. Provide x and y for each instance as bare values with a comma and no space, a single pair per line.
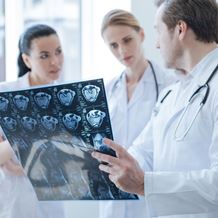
14,168
1,138
120,151
104,158
6,152
105,168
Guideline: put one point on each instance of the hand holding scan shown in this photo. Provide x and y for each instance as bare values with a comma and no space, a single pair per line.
5,151
124,171
14,168
6,162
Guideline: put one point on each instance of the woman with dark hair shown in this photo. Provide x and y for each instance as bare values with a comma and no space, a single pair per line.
36,56
40,62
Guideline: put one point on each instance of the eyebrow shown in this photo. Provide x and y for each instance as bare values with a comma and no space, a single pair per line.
44,52
112,43
127,36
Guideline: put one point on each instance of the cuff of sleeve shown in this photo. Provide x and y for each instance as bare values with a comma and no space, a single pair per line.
148,184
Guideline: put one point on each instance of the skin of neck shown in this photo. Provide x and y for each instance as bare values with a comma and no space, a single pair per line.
134,74
193,52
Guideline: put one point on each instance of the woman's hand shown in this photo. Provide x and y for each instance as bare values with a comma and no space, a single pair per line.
6,151
6,162
14,168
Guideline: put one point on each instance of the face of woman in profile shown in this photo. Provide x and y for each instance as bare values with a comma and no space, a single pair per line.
45,59
125,43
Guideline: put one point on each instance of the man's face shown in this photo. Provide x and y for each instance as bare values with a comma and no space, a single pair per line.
167,41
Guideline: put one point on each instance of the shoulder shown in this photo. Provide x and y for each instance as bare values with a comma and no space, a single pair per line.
20,83
109,85
164,76
8,86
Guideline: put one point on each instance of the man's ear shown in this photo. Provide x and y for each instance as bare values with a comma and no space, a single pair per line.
182,29
26,60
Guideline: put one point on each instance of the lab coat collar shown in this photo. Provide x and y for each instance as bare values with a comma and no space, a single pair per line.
205,67
25,82
197,77
120,95
147,77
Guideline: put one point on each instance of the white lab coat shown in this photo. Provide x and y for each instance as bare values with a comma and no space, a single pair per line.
17,196
183,177
128,119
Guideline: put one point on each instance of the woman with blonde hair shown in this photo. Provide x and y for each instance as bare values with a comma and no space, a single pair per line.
131,95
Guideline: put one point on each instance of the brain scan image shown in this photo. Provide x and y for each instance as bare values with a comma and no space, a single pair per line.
90,92
21,102
71,121
10,123
49,122
3,104
53,130
66,96
42,99
29,123
98,141
95,118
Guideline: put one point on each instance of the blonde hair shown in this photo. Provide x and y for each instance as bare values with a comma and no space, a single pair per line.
120,17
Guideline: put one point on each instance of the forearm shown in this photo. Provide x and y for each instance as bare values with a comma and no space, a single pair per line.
5,152
174,193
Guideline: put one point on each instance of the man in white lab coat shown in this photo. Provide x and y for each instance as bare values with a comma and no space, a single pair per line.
178,149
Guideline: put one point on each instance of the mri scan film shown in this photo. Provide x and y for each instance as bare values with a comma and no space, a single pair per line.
53,130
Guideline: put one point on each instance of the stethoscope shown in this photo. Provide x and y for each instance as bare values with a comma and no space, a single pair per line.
181,136
118,81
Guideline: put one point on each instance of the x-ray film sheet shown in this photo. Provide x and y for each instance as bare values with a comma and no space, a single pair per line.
53,131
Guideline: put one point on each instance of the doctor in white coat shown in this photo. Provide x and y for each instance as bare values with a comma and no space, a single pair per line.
40,62
131,95
178,149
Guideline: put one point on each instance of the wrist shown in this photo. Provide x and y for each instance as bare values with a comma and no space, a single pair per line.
6,152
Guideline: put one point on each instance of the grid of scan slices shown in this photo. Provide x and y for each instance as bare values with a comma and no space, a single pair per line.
53,131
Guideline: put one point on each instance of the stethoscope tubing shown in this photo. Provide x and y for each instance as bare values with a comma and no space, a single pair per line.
153,73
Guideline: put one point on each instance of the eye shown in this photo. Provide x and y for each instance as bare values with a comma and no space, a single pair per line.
114,45
127,40
44,56
58,51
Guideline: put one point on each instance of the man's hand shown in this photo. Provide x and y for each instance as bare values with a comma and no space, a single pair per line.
124,171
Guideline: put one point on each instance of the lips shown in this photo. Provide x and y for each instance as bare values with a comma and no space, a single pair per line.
54,71
127,59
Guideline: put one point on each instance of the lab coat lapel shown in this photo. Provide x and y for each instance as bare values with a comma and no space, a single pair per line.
118,113
24,81
170,109
119,96
139,90
173,108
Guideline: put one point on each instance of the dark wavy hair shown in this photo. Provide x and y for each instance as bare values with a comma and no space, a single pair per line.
24,45
200,15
